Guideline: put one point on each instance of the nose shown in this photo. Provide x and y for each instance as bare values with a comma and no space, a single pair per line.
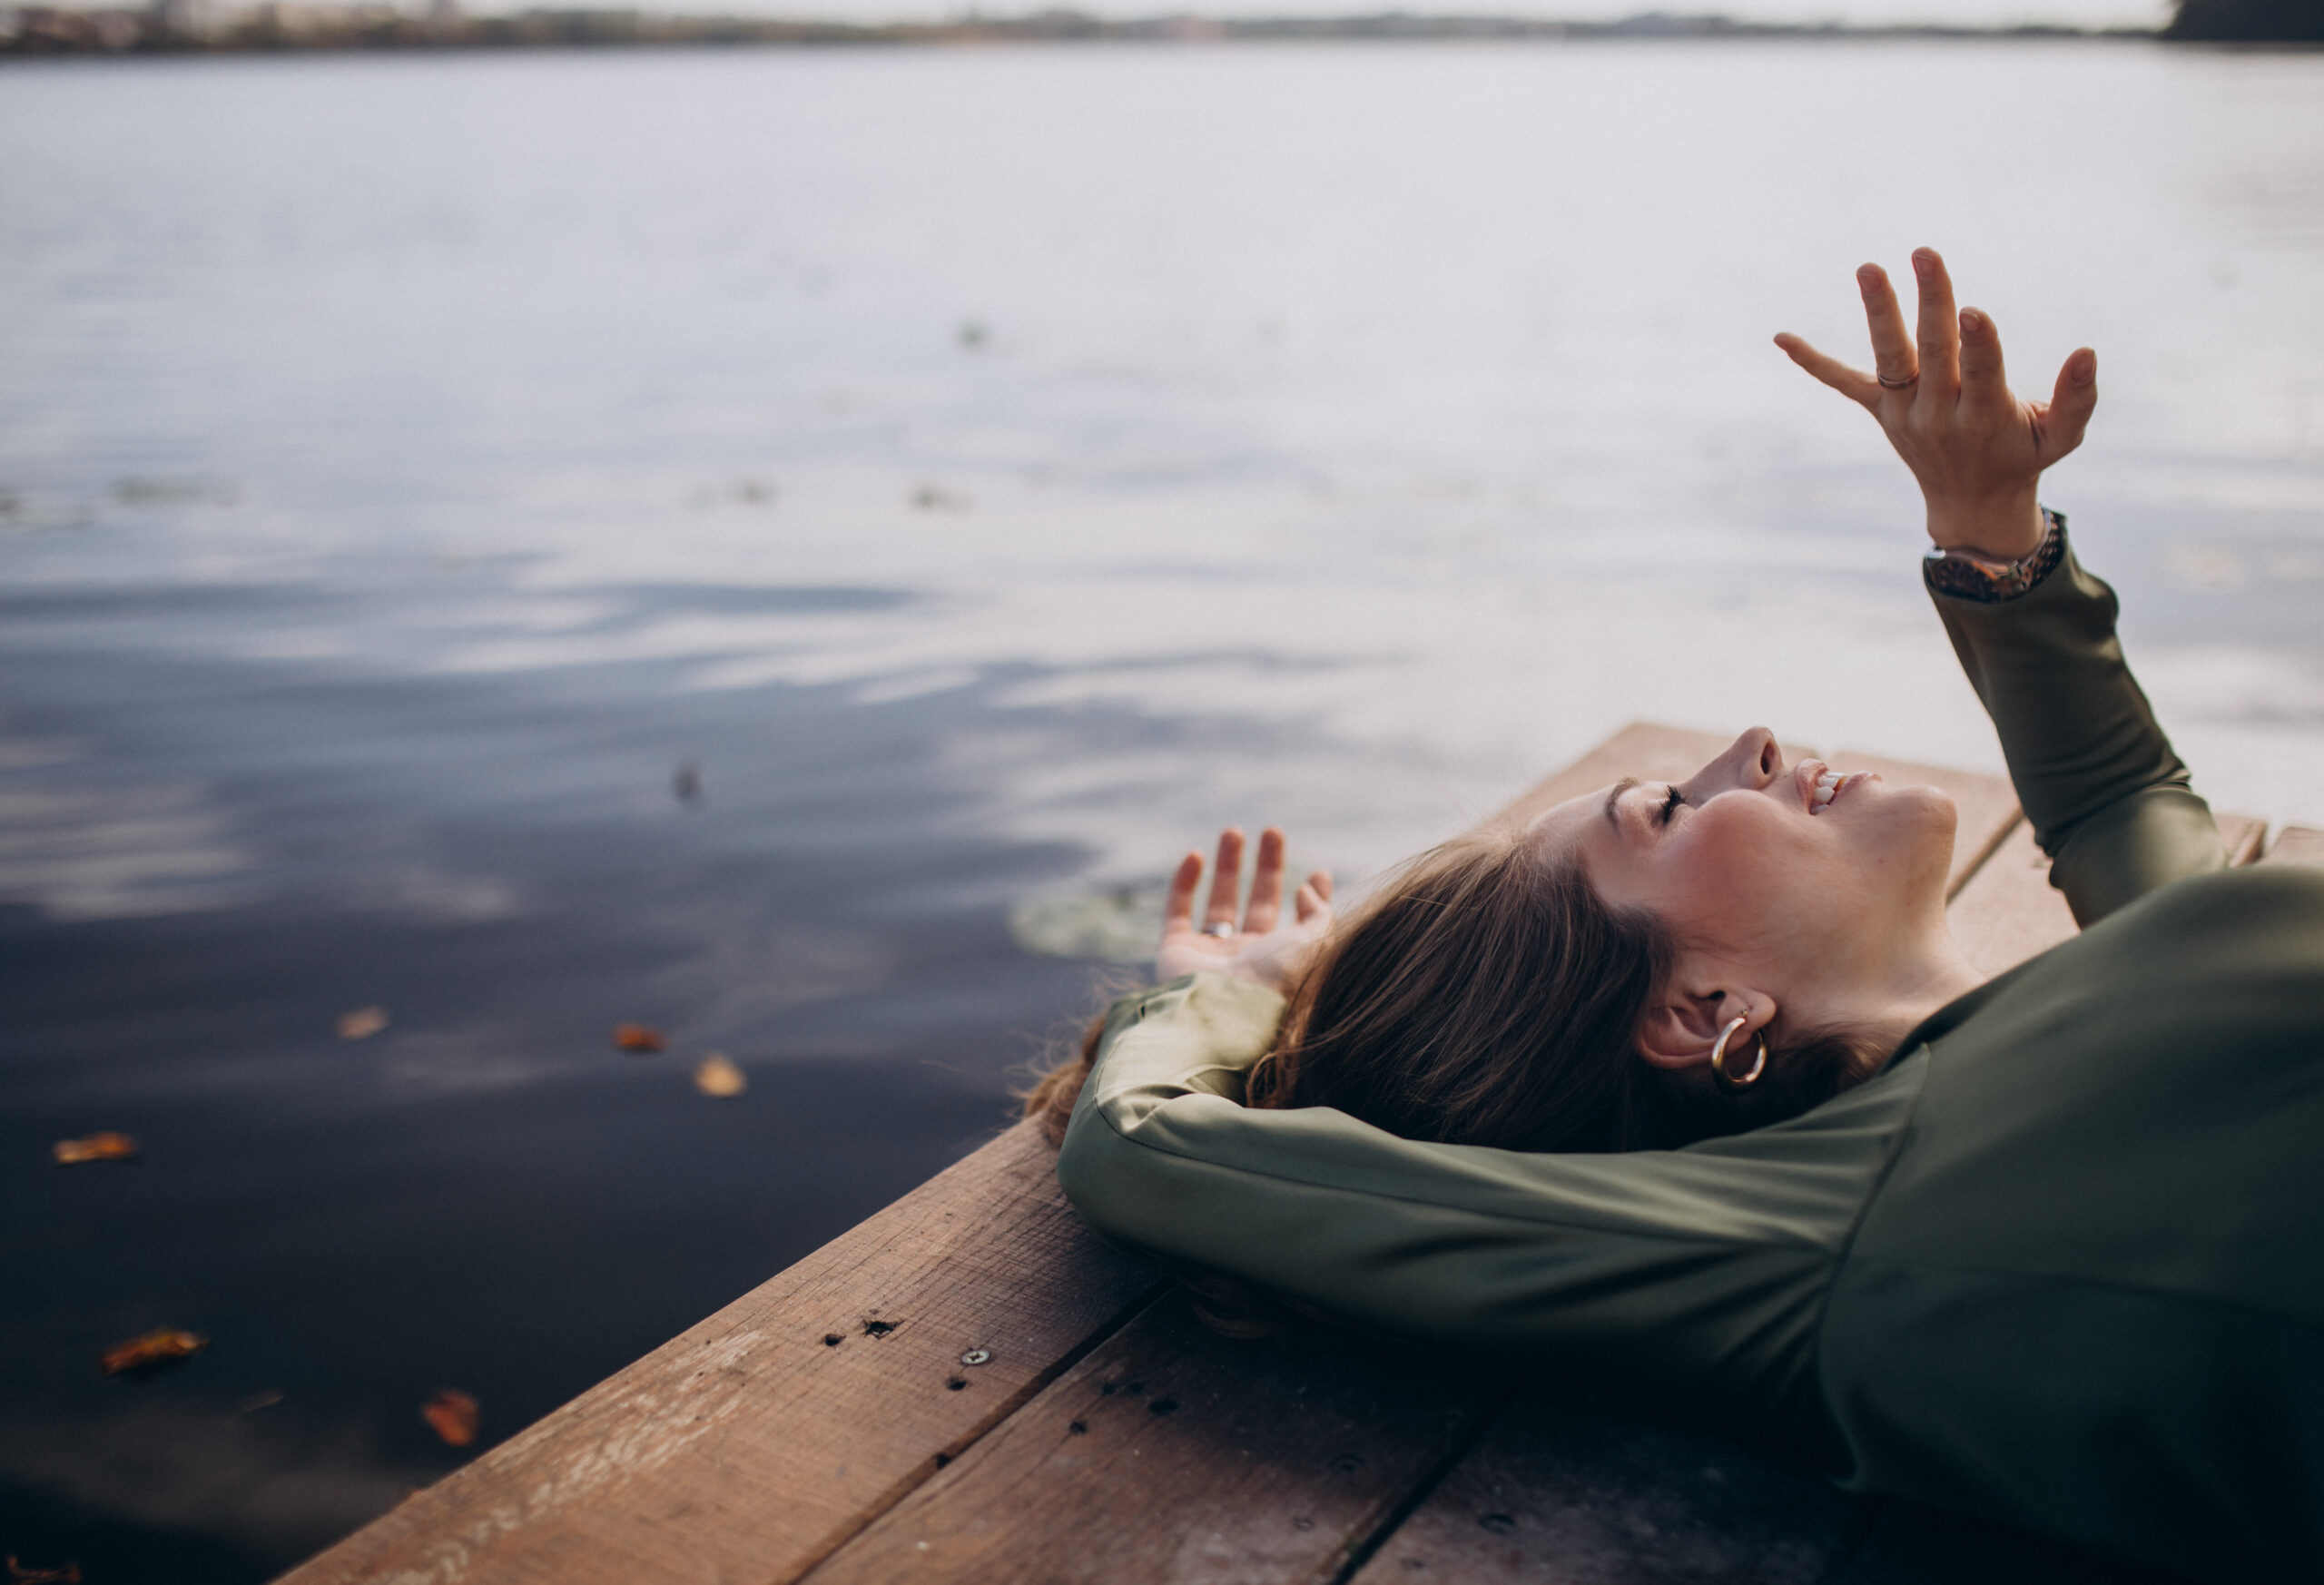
1749,762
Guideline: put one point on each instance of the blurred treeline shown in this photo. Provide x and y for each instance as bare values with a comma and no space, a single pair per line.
179,26
2248,21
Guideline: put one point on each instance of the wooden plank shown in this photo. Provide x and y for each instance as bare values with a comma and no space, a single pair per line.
1173,1453
2295,844
755,1443
1559,1492
2009,911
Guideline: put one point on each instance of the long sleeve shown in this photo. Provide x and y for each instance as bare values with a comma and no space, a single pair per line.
1708,1262
2108,798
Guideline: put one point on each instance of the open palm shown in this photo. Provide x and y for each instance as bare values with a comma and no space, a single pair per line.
1264,948
1943,399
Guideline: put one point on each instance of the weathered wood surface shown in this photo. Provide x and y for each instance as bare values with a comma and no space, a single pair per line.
1103,1434
1587,1493
753,1444
1172,1453
2295,844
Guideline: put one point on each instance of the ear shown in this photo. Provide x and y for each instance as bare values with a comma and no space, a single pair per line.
1679,1031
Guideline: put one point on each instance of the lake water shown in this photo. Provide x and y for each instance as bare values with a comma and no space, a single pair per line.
986,473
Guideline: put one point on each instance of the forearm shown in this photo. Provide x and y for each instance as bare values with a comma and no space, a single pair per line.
1693,1256
2107,796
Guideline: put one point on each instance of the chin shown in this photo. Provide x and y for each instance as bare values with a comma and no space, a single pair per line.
1922,820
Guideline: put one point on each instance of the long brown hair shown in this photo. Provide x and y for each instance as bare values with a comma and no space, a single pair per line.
1486,995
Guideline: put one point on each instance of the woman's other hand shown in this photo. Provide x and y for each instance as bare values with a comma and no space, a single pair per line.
1941,397
1265,949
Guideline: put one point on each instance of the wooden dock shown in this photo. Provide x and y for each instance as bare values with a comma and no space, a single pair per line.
971,1387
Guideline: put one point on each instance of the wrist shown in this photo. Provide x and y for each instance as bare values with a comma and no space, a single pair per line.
1995,531
1969,576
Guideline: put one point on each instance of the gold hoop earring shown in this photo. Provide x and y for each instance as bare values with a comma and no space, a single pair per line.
1737,1083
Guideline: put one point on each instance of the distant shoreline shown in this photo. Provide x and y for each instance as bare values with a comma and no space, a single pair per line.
186,27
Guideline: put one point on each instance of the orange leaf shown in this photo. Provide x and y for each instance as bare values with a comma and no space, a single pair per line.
641,1038
153,1351
18,1574
95,1148
453,1415
719,1077
362,1023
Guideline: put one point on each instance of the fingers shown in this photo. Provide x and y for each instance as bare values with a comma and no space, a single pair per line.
1266,884
1314,898
1225,878
1937,334
1178,907
1983,385
1853,384
1893,358
2058,425
1266,910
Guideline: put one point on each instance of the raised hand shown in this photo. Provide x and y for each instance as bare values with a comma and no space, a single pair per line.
1944,404
1259,950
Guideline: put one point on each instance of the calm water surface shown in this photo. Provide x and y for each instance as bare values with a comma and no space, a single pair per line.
991,471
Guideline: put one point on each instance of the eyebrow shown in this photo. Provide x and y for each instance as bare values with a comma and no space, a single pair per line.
1614,796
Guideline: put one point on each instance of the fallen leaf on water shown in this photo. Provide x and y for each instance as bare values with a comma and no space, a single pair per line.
362,1023
719,1077
638,1037
155,1350
95,1148
452,1415
70,1574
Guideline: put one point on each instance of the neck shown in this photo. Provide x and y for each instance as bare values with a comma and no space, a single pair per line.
1886,1006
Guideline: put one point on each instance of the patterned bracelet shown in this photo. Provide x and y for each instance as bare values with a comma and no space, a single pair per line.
1988,582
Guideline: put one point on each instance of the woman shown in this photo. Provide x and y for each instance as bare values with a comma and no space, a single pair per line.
1689,1080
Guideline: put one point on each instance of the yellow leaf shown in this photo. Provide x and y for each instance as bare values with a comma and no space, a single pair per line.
150,1351
719,1077
95,1148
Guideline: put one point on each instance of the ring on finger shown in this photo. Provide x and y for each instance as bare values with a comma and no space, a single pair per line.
1222,929
1909,380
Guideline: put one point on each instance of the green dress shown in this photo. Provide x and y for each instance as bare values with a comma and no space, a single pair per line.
2060,1263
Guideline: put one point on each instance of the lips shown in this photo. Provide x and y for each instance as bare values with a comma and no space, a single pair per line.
1819,786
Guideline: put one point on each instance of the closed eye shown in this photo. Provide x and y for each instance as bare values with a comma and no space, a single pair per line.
1670,807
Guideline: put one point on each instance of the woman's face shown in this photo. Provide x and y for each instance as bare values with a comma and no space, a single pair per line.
1749,862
